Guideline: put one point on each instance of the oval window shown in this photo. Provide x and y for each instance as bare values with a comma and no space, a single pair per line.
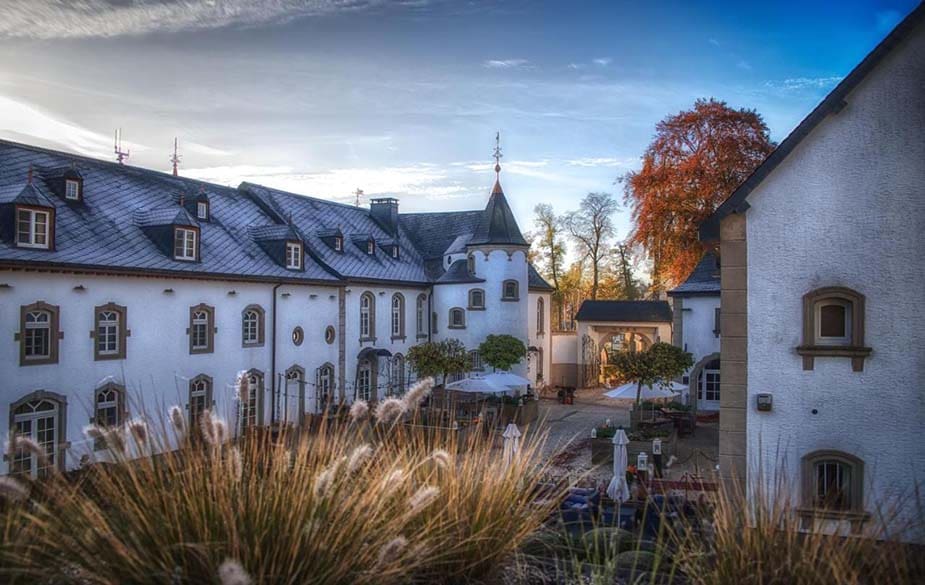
298,336
329,334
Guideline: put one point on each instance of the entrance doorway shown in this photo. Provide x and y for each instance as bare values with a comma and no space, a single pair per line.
708,387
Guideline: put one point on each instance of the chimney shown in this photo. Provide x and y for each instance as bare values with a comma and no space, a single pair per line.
385,211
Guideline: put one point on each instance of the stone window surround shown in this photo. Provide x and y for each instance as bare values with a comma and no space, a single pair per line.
370,335
261,326
516,296
421,321
261,381
211,329
55,335
856,350
540,316
121,408
856,514
472,306
398,335
462,312
63,443
124,332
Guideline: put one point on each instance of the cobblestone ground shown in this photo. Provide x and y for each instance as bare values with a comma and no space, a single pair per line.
568,428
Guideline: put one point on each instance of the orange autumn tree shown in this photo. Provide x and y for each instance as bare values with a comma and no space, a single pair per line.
697,159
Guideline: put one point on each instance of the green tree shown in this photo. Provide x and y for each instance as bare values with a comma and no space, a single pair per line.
502,351
657,365
549,251
439,358
591,226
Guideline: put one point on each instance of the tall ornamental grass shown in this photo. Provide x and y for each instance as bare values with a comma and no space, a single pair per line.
366,500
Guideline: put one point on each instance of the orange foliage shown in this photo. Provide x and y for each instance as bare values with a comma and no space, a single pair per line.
696,160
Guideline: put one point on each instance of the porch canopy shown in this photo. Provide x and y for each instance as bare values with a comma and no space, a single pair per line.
659,391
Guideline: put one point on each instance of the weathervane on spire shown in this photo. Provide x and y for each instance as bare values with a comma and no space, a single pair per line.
175,158
497,154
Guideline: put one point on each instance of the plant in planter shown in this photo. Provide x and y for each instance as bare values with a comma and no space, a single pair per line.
439,358
657,365
502,351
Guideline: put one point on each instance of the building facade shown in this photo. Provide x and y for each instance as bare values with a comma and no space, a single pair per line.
126,291
822,280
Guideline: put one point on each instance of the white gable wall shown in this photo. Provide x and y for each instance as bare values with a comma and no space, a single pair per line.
846,208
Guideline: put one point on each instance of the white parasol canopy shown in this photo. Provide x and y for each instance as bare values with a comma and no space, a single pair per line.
628,391
507,379
477,385
511,443
618,490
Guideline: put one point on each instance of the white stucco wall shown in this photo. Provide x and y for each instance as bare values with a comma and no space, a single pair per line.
846,208
697,337
158,364
539,339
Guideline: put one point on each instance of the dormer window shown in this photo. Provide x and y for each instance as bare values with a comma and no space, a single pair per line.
294,255
185,244
202,210
395,251
470,264
33,228
370,248
72,189
338,244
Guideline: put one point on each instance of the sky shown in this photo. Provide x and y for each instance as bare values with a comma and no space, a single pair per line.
403,98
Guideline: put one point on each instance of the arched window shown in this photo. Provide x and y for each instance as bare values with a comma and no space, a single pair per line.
364,381
421,315
833,481
398,316
475,361
397,377
510,290
540,315
109,405
325,387
201,329
457,318
251,399
295,388
200,400
476,299
470,264
833,326
109,332
367,316
41,417
38,334
252,326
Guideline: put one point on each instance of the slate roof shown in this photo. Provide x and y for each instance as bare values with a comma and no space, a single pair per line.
458,273
833,103
535,281
106,231
703,280
625,311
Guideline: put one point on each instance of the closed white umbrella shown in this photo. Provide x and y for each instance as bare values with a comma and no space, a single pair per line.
511,443
507,379
628,391
618,490
479,385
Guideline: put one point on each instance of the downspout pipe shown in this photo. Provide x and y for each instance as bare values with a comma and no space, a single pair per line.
273,357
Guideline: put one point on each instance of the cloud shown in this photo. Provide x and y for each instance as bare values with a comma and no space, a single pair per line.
603,161
505,63
49,19
744,65
800,83
713,42
602,61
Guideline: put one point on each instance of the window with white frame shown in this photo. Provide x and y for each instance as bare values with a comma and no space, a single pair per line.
107,333
395,251
339,244
37,335
398,315
370,247
109,401
457,318
250,401
421,316
367,316
184,243
200,400
39,420
475,361
201,329
476,299
364,381
293,255
397,378
202,210
72,189
252,326
32,227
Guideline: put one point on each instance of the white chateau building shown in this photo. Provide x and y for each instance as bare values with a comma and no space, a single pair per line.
125,290
822,286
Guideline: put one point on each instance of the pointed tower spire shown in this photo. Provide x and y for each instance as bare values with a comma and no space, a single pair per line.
497,156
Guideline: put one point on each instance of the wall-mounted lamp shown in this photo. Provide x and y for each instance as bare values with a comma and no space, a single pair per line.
232,293
313,296
285,295
79,288
168,291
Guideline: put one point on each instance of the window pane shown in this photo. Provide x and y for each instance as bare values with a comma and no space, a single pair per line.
832,321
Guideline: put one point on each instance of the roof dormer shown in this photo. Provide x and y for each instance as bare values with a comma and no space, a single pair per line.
198,206
390,247
366,243
27,216
65,182
282,243
173,231
333,238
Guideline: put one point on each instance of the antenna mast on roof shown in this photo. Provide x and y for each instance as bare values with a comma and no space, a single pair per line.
175,158
358,193
121,155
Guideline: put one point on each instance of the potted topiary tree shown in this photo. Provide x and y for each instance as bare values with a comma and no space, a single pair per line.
657,365
502,352
439,359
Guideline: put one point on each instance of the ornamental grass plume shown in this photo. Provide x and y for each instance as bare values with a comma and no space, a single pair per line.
389,410
29,445
177,420
12,490
231,572
425,496
417,393
359,410
235,463
441,458
358,458
392,551
393,483
139,430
